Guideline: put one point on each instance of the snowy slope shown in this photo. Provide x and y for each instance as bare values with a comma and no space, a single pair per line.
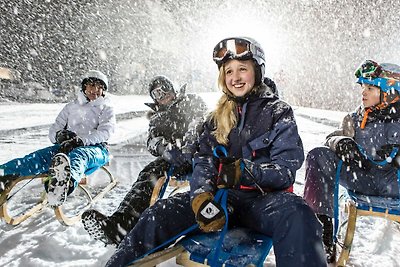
43,241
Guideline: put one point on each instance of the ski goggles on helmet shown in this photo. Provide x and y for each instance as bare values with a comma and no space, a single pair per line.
368,69
233,48
159,93
369,73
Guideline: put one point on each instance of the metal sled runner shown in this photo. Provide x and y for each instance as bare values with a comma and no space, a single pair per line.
65,217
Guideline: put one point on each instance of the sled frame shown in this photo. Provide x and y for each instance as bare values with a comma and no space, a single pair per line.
59,212
354,209
183,256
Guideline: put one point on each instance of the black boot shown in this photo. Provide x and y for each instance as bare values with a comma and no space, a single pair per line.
327,237
101,228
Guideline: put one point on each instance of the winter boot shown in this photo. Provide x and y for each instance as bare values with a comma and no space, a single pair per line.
327,237
60,180
101,227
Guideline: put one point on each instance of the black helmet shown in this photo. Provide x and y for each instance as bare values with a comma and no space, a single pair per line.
159,86
241,48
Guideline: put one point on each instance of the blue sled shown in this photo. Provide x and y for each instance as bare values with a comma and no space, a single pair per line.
241,247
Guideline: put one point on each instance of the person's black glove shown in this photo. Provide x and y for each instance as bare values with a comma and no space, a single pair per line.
175,156
229,172
209,214
347,150
182,170
64,135
68,145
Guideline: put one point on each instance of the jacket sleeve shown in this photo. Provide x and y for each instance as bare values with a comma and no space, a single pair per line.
285,148
204,169
107,124
155,140
59,124
195,128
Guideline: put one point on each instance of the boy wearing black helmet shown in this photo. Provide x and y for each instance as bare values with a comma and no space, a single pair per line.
172,137
366,136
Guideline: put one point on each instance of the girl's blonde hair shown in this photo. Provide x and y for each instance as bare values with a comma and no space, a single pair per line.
223,116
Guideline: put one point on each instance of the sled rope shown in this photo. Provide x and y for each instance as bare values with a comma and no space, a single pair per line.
22,187
221,197
165,185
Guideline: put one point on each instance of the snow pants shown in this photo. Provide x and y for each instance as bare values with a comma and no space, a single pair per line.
84,160
321,164
138,197
285,217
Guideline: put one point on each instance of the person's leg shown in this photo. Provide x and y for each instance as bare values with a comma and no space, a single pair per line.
320,180
86,160
67,170
321,166
289,221
112,229
37,162
163,221
34,163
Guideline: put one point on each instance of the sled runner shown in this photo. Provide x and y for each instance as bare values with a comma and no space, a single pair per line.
362,205
65,214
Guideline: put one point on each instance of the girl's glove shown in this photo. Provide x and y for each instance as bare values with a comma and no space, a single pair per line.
209,214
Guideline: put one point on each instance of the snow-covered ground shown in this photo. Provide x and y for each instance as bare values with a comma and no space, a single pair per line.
43,241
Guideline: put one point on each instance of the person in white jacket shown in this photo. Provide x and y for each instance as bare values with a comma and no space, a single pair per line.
79,134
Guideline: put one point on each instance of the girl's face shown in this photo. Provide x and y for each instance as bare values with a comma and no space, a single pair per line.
94,90
239,76
370,95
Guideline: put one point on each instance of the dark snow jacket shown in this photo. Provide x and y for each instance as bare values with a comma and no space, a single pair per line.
266,137
170,125
382,128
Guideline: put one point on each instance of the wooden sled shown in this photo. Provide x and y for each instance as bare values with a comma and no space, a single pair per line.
362,205
241,247
60,212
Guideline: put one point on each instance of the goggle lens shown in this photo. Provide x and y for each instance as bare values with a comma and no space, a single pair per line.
231,49
158,93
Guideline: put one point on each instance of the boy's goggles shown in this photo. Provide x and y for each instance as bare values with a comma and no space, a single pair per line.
159,93
368,69
234,48
368,73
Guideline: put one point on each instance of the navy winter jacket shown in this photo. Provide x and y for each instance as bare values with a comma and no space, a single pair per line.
266,137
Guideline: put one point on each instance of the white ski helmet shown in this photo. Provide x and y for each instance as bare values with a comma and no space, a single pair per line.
95,75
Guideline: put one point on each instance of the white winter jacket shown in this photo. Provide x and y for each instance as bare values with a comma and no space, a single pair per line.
93,121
